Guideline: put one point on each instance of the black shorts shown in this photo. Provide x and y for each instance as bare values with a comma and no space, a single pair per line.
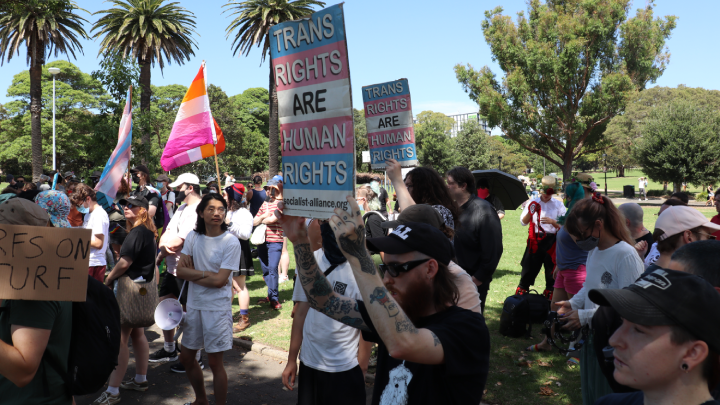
171,285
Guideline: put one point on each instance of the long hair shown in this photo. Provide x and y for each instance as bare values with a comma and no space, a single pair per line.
430,188
124,188
445,291
143,218
200,224
589,210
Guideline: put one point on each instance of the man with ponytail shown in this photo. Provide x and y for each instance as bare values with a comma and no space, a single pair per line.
598,227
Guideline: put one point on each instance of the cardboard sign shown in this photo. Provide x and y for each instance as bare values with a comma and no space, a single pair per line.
389,120
312,78
44,264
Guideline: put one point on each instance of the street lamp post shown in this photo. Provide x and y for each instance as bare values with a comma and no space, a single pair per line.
54,71
499,162
605,170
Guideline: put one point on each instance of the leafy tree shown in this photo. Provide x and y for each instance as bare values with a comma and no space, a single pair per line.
514,161
680,143
361,140
147,30
569,68
78,130
433,142
251,26
625,130
44,28
117,74
471,146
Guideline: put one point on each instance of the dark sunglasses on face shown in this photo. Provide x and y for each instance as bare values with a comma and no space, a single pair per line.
129,206
395,269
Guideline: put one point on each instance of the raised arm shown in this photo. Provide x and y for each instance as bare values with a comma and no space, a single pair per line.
394,173
402,339
318,290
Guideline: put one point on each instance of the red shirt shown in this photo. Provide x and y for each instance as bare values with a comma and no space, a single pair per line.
716,220
274,232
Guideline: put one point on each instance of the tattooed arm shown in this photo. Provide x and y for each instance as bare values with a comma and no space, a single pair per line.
403,340
318,291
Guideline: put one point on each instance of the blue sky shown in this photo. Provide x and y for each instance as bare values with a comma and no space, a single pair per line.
414,39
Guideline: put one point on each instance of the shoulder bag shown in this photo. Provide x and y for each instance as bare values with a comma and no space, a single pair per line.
137,302
258,235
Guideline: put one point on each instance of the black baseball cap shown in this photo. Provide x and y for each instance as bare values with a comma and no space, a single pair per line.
136,201
415,237
140,168
668,297
423,213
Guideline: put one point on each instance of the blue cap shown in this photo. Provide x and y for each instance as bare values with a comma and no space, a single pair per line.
272,183
278,178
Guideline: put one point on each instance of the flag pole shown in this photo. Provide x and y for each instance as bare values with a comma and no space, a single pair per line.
217,168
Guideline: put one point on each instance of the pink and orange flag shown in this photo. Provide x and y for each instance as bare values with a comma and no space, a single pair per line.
195,134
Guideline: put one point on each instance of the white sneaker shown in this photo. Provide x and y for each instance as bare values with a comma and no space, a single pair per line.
107,399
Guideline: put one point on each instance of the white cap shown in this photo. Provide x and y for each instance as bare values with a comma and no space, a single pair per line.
681,218
188,178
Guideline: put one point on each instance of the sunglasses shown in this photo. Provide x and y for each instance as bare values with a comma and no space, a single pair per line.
707,235
395,269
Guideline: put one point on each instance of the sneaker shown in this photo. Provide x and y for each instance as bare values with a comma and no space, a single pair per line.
283,279
107,399
163,356
275,305
131,384
180,369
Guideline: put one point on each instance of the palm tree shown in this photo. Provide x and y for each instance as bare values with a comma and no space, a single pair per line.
147,30
253,22
44,29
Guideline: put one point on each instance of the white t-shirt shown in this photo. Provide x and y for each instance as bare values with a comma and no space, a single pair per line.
641,184
652,256
181,224
211,255
552,209
615,267
329,345
469,298
98,222
169,197
241,223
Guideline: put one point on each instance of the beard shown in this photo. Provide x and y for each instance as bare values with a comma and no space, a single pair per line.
416,301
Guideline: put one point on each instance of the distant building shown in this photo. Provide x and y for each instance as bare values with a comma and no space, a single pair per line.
461,119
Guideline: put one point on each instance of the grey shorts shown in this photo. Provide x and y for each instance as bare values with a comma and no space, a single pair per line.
211,330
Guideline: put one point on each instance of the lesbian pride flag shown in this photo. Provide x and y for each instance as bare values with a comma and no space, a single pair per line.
117,164
195,131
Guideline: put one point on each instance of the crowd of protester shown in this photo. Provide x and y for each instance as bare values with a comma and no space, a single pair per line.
649,297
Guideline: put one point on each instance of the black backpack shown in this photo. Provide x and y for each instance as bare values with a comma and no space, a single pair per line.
159,218
95,341
520,312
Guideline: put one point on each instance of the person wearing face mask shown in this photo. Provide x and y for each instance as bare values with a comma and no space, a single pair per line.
597,226
334,357
98,221
171,243
168,196
541,214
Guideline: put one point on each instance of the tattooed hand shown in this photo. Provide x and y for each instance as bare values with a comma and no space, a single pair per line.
293,227
350,233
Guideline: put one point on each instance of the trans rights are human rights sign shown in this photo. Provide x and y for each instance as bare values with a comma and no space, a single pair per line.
312,77
389,121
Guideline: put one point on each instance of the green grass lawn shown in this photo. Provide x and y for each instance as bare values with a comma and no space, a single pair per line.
631,179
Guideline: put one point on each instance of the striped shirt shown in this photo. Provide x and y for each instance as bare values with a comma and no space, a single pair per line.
274,232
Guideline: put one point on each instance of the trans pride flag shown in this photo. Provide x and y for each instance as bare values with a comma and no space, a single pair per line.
117,165
195,134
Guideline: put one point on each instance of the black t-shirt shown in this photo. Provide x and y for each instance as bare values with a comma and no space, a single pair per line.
492,199
140,246
647,238
478,239
460,380
634,398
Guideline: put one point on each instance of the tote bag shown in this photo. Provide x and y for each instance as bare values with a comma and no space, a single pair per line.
137,302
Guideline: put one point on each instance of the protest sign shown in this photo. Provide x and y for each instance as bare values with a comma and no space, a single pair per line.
389,121
312,77
45,264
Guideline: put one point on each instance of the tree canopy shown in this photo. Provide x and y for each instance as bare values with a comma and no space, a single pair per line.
434,145
569,67
680,143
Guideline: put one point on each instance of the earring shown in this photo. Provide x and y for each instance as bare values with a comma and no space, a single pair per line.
684,367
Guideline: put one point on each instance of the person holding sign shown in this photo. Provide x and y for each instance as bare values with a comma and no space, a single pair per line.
209,256
32,332
430,350
137,261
